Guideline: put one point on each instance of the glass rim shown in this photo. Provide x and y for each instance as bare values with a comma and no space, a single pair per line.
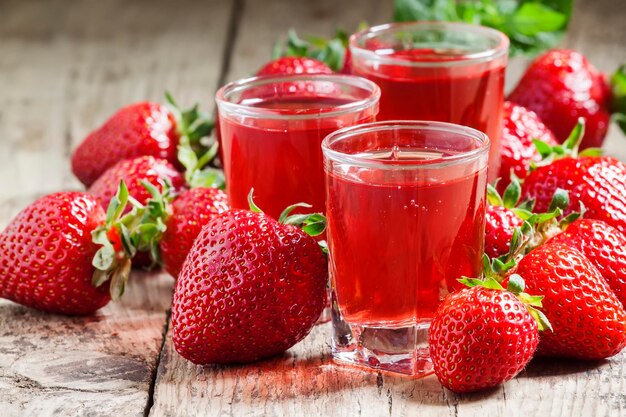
221,96
490,54
394,125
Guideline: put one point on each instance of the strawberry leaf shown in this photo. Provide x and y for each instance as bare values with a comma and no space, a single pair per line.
512,192
560,200
516,284
542,321
618,103
253,206
493,196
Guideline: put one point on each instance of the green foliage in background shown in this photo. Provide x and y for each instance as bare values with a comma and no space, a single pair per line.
532,25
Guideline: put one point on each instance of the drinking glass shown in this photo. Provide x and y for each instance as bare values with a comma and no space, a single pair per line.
405,208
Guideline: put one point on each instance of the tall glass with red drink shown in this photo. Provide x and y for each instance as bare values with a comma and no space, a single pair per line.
442,71
405,209
271,129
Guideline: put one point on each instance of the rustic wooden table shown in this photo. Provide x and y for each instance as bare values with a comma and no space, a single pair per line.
64,67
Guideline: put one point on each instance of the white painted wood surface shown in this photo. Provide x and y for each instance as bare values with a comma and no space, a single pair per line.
67,65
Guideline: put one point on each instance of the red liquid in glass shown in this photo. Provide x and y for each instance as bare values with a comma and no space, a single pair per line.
281,159
470,95
397,248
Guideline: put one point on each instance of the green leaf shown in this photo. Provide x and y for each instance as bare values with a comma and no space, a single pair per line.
314,229
99,277
187,157
533,18
512,192
471,282
591,152
542,147
516,284
285,214
560,200
253,206
522,213
104,258
542,321
576,135
493,196
618,102
531,300
119,278
324,246
527,205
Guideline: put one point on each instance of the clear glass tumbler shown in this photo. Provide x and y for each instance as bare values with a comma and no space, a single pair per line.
271,128
405,204
441,71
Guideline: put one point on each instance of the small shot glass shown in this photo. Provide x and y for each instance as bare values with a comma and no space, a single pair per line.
405,208
441,71
271,128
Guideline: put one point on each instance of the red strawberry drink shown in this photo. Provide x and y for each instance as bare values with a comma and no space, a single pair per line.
271,129
406,211
447,72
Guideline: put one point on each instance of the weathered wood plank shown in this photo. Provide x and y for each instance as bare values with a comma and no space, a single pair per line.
305,381
65,67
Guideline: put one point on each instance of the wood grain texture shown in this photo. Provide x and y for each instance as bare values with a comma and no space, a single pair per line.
305,382
66,66
100,365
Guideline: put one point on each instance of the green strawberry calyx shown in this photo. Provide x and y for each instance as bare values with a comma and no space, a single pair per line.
112,261
331,51
313,224
568,149
195,152
618,102
516,286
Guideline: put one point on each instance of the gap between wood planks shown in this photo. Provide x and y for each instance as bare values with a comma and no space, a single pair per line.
234,22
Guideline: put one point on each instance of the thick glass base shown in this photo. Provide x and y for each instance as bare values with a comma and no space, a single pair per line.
402,350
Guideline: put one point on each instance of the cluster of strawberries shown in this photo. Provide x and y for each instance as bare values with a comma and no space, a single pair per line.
575,268
249,286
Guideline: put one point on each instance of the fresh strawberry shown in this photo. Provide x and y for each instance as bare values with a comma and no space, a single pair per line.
294,65
561,86
249,289
520,128
190,212
599,183
500,223
588,320
483,336
158,172
144,128
48,253
604,246
332,52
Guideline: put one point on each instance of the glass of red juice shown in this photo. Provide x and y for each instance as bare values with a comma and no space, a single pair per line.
441,71
271,129
405,205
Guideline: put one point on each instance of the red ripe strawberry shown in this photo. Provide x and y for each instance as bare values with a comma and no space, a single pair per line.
599,183
191,211
588,320
561,86
139,129
250,288
46,255
520,127
294,65
500,223
158,172
481,337
604,246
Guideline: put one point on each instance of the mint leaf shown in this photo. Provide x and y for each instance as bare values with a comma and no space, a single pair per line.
533,18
